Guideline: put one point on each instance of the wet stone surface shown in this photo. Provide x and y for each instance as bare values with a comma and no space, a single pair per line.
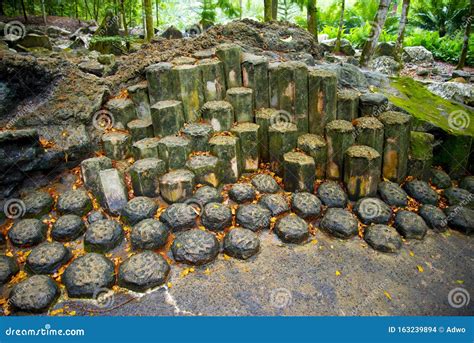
265,183
27,233
373,211
306,205
339,223
383,238
292,229
410,225
331,194
8,268
195,247
421,192
242,192
216,216
47,258
149,234
68,228
440,179
95,216
434,217
276,203
35,294
74,202
467,183
138,209
37,204
460,218
392,194
253,217
103,236
88,275
143,271
241,243
459,196
179,217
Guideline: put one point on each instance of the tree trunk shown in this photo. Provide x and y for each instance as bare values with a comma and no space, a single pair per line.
157,8
148,20
401,29
267,10
2,12
24,10
43,11
274,9
124,18
312,18
337,48
377,26
465,46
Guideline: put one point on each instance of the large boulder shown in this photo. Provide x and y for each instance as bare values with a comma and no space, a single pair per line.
109,26
33,40
385,49
417,55
348,76
457,91
386,65
346,46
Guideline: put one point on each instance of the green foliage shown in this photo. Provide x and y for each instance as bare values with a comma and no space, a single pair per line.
287,9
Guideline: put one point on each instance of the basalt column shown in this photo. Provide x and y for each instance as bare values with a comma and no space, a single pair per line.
339,136
190,91
316,147
347,104
263,118
362,169
282,139
397,141
255,76
249,145
369,131
161,84
230,55
241,99
292,93
420,157
227,149
322,95
298,172
212,79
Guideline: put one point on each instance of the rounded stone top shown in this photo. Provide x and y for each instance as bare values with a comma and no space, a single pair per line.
223,140
205,54
311,141
177,175
298,157
183,60
147,142
321,72
246,127
340,125
138,123
208,61
362,151
368,123
265,112
217,105
239,90
254,59
158,67
347,94
227,46
292,65
394,118
166,104
283,127
115,136
174,140
199,161
147,163
185,67
197,129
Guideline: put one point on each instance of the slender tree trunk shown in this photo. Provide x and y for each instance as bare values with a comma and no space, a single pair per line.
377,25
88,12
24,10
148,20
2,12
337,48
43,11
157,8
467,33
267,10
275,9
124,18
312,18
401,29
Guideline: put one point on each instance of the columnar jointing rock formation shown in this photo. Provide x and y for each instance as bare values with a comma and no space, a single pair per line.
242,110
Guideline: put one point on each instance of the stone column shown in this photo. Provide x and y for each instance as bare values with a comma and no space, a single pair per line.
161,85
227,149
213,79
369,131
347,104
116,145
249,145
241,99
316,147
339,136
167,117
282,139
263,118
190,91
322,104
420,157
145,176
139,95
298,172
220,114
230,55
255,76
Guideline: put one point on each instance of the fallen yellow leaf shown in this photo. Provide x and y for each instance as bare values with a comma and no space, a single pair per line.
420,268
387,294
338,273
412,253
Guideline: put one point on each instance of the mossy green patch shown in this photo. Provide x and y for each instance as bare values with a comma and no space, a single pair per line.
421,147
425,106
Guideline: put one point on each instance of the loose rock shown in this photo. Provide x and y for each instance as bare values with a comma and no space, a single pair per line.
37,204
265,183
292,229
74,202
410,225
35,294
47,258
149,234
241,243
205,195
460,218
339,223
440,179
421,192
373,211
216,216
392,194
242,192
332,195
434,217
459,196
306,205
8,268
103,236
467,183
276,203
179,217
383,238
138,209
27,233
68,228
253,217
195,247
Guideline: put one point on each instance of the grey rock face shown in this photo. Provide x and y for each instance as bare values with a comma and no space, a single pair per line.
195,247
